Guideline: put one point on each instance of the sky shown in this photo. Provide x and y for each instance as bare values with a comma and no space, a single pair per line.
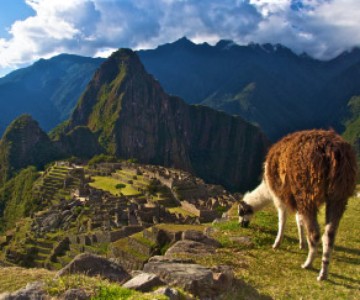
34,29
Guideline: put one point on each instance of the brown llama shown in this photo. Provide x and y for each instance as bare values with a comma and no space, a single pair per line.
303,171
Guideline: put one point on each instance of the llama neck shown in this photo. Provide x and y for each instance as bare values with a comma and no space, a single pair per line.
258,198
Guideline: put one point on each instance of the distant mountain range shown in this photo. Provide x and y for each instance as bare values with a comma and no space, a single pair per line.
48,90
124,112
265,84
268,85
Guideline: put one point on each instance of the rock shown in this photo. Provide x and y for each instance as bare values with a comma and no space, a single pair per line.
160,258
223,278
171,293
200,237
200,281
93,265
75,294
190,247
32,291
194,278
143,282
220,220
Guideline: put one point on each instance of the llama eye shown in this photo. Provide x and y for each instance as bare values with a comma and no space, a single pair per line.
241,212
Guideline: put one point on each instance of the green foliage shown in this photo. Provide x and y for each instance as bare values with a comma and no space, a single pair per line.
120,186
102,158
16,197
113,291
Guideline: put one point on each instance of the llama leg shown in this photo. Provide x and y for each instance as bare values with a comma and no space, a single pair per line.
313,237
282,221
333,216
300,231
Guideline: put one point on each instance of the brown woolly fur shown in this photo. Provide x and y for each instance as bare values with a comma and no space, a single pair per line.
307,168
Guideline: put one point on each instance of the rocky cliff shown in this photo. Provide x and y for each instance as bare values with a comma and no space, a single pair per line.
134,118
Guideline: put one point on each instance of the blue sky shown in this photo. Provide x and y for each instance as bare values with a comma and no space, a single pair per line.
33,29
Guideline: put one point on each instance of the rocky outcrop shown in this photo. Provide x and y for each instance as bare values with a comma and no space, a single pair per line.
201,281
93,265
143,282
135,118
32,291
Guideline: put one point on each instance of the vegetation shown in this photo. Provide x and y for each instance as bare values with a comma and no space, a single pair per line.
352,124
109,184
102,158
16,198
263,271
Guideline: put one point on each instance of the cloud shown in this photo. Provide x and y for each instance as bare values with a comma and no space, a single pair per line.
322,28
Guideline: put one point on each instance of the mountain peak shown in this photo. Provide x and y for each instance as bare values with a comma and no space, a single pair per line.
24,143
225,44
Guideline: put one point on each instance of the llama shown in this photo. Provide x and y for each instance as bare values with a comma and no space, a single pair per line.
301,172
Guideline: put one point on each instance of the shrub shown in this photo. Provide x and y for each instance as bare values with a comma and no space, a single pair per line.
120,186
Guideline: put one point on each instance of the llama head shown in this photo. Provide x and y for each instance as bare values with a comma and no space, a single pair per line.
245,213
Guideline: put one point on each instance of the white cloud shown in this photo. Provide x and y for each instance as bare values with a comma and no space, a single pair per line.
323,28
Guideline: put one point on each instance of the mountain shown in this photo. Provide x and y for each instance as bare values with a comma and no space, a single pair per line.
132,117
48,90
352,124
24,143
265,84
268,85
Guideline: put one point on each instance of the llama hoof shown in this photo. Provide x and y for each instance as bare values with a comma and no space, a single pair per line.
276,246
306,266
302,246
321,277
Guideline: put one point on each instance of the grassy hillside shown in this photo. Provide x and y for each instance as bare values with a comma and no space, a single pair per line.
264,272
16,198
261,272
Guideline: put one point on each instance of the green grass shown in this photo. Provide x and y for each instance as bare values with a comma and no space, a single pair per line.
109,183
179,227
14,278
262,271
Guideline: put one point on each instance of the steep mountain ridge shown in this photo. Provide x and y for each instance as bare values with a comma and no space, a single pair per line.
134,118
265,84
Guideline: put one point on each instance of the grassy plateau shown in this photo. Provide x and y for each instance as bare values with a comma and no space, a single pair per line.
264,273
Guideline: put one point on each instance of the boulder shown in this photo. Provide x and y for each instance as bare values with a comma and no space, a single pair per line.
189,247
171,293
200,237
143,282
194,278
32,291
93,265
200,281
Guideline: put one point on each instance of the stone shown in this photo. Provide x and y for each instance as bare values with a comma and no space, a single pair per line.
193,278
75,294
32,291
93,265
202,282
171,293
190,247
223,278
143,282
200,237
160,258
